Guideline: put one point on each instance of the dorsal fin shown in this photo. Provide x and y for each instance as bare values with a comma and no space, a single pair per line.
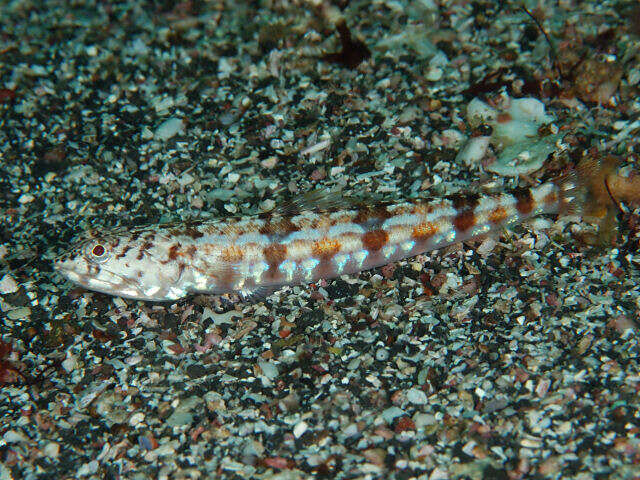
317,201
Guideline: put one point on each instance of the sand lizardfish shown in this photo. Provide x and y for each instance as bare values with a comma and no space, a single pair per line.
318,236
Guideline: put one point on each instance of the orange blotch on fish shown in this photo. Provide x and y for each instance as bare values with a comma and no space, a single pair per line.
498,215
325,248
274,255
524,201
375,240
424,231
232,254
464,220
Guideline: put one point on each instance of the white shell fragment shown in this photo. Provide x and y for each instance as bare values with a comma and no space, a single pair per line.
529,109
514,132
524,157
479,112
168,129
515,136
8,285
474,150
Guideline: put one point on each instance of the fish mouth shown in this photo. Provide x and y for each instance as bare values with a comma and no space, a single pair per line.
115,284
69,273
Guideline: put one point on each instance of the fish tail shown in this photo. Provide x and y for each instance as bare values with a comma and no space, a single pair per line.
583,190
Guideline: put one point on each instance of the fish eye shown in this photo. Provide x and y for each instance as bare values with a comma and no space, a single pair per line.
97,252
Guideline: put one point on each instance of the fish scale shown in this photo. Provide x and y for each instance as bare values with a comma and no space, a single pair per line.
296,244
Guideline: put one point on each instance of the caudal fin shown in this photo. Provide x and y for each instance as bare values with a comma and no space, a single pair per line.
596,174
587,191
584,190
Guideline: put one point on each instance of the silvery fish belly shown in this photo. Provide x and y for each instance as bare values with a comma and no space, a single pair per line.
295,244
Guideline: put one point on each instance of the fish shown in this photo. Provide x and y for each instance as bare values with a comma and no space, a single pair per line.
316,236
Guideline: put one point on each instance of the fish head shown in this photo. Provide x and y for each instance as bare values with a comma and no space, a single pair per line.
124,265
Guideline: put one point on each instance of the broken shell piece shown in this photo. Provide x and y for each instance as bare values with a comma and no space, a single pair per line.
479,112
474,150
529,109
524,157
449,138
515,131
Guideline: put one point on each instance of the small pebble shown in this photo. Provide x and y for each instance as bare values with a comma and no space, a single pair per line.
417,397
382,354
474,150
8,284
52,450
136,419
269,369
19,313
70,363
169,129
300,429
13,436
